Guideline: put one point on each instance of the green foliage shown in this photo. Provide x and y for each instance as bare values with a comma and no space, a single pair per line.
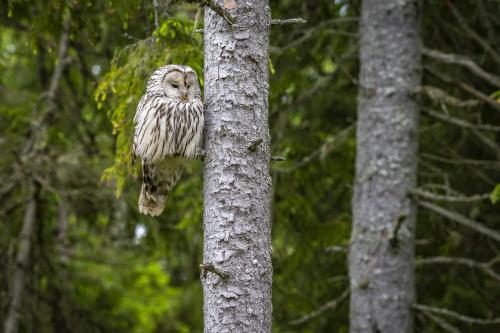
495,195
121,88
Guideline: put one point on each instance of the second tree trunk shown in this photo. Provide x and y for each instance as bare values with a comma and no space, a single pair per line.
381,259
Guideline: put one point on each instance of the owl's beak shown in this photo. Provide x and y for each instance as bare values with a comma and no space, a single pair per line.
184,96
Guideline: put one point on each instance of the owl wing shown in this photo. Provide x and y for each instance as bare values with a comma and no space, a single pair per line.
139,122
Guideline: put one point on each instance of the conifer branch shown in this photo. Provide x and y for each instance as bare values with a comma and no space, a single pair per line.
288,21
455,59
456,315
460,219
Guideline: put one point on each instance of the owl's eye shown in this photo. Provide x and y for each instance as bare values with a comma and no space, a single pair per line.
188,86
175,85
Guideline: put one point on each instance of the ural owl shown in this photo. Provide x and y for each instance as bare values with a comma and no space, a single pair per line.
168,129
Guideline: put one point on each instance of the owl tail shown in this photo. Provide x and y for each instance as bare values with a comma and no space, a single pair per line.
158,180
151,204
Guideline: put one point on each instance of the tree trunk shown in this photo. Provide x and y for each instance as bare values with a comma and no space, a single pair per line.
237,271
381,259
22,260
31,153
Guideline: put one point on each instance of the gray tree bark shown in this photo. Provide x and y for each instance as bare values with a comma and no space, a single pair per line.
237,270
381,258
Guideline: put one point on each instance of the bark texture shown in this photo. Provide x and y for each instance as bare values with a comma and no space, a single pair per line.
381,259
237,249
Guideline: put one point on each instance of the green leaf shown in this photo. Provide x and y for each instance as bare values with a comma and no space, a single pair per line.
495,195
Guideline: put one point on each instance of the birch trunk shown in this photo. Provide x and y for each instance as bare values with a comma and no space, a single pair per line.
237,184
381,260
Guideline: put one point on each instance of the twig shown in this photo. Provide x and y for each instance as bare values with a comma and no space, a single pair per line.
327,306
155,12
441,323
486,267
463,161
6,190
336,249
456,59
205,268
196,21
473,34
473,91
492,144
456,315
339,278
393,239
466,87
278,158
440,96
450,198
309,33
460,122
454,216
222,12
288,21
253,146
325,148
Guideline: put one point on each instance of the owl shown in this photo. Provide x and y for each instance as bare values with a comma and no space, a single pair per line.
168,131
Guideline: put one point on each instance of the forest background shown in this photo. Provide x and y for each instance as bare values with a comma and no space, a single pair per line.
95,265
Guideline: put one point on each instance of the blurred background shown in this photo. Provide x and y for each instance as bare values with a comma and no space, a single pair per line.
72,73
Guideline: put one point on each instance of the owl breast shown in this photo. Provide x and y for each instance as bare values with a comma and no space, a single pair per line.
166,127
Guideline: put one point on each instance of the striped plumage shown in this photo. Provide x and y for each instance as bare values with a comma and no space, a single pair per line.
168,129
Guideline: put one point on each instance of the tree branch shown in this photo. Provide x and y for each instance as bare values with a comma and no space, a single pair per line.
456,315
453,216
466,87
481,41
323,150
288,21
37,126
22,260
486,267
460,122
205,268
222,12
450,198
456,59
309,33
155,12
473,91
440,96
441,322
327,306
464,161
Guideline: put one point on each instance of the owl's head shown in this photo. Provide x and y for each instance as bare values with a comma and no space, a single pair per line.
177,82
